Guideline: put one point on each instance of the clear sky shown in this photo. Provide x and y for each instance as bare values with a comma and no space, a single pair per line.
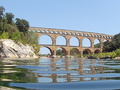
100,16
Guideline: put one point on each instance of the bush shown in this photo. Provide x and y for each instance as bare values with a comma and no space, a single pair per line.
16,36
117,52
4,35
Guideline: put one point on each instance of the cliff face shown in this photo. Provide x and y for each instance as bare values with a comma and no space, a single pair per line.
10,49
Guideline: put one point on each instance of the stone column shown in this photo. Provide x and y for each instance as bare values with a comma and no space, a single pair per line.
67,42
81,53
68,53
53,53
53,40
92,43
80,42
101,43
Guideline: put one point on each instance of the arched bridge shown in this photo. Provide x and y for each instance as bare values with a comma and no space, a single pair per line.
68,34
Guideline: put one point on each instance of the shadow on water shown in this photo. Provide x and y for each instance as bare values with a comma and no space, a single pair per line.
57,74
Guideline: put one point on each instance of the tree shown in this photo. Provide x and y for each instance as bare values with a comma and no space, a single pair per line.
116,41
22,25
59,52
2,9
97,45
73,51
113,45
9,17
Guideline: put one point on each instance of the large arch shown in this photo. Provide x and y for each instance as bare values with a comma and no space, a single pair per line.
61,51
74,51
97,51
86,42
74,41
87,51
97,43
61,40
45,39
45,51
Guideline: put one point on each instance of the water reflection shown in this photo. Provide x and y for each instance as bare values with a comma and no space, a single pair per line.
51,70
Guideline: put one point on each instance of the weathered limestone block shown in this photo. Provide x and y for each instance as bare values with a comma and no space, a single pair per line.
10,49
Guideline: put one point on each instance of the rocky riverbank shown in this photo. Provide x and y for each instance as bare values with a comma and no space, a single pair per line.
11,49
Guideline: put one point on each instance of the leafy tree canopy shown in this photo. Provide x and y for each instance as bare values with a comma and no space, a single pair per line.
9,17
22,25
2,9
113,45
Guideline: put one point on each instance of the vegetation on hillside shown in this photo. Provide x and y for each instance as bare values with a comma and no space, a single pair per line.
113,45
16,29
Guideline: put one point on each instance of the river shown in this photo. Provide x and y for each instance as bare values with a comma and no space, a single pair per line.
60,74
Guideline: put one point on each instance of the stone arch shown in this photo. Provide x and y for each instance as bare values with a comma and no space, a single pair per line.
97,51
62,50
45,39
74,51
87,51
97,43
74,41
105,41
86,42
46,51
61,40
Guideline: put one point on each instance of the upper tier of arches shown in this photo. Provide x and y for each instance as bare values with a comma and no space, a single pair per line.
70,32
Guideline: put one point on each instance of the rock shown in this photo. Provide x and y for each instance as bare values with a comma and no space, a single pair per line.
10,49
117,58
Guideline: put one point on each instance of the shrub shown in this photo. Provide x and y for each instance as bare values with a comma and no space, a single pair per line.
117,52
16,36
4,35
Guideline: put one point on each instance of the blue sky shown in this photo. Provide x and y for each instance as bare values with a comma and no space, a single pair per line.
100,16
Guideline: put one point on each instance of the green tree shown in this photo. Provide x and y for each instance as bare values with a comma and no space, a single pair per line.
116,41
3,27
2,9
117,51
9,17
73,51
97,45
22,25
59,52
113,45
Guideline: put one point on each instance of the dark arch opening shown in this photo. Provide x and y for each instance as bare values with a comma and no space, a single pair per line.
87,51
97,51
61,52
74,51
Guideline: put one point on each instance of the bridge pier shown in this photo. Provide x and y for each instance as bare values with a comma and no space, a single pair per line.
54,53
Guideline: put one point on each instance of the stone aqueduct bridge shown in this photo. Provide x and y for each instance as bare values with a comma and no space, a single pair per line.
68,34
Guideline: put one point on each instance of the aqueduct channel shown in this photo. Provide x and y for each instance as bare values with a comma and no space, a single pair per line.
68,34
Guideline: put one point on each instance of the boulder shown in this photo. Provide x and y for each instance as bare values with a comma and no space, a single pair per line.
10,49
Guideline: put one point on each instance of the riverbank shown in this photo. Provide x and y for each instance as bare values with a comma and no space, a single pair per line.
12,49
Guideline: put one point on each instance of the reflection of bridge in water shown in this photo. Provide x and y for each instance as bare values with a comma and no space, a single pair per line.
68,34
71,73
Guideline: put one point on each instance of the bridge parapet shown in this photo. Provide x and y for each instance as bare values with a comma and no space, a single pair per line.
70,32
